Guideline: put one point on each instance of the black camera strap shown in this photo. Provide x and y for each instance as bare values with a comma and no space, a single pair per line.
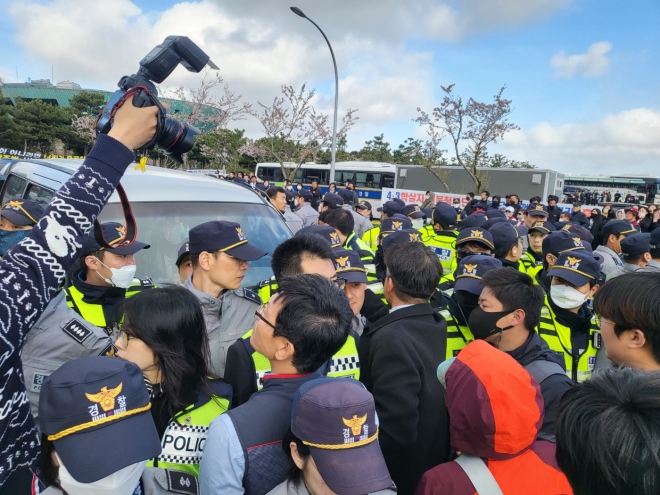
129,220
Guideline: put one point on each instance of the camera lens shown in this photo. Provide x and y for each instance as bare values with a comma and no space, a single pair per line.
177,138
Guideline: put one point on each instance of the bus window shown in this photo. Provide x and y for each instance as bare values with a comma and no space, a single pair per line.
367,179
388,180
299,176
272,174
14,188
341,178
311,174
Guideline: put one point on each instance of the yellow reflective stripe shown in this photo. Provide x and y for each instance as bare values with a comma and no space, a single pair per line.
573,270
232,246
91,424
343,445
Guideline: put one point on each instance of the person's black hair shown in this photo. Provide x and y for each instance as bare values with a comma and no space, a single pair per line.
289,255
414,269
500,251
272,192
342,220
486,192
49,472
323,215
633,260
194,258
315,317
622,302
535,198
608,433
516,290
471,194
170,321
295,474
566,214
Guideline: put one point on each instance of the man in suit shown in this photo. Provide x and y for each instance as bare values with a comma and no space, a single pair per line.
399,355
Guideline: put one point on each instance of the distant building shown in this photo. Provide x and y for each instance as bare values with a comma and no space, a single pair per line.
67,85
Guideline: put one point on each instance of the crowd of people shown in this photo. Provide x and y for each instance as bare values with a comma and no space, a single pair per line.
594,197
493,349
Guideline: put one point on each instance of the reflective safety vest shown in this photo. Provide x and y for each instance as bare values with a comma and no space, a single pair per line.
354,243
580,364
93,313
345,363
267,288
370,238
532,267
458,336
444,245
185,435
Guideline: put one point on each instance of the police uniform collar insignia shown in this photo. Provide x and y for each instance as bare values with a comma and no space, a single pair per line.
355,424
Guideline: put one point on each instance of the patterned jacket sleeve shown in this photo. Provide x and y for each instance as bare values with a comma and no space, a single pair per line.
32,271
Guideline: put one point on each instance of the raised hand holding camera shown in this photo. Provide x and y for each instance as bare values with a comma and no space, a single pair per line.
174,137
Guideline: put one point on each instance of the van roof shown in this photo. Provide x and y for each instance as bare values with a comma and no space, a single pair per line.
156,184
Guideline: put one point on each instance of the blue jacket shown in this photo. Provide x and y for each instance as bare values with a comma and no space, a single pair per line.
31,273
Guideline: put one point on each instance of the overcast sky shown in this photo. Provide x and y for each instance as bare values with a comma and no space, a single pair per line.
583,74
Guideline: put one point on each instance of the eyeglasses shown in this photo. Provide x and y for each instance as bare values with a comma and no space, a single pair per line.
339,282
258,314
123,337
240,262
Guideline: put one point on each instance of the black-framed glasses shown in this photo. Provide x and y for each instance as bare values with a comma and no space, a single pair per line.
258,314
339,282
123,337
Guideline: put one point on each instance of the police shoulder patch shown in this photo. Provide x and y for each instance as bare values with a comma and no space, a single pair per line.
77,331
180,482
146,283
248,294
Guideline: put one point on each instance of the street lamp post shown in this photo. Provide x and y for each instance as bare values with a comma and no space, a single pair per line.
300,13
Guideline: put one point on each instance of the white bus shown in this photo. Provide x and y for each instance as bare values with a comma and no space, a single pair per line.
369,177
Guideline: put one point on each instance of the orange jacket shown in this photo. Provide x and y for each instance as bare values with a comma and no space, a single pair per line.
495,412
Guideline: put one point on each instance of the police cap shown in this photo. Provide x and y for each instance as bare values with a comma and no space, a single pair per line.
470,271
476,234
22,212
505,236
390,208
113,233
400,236
349,266
576,267
306,194
333,200
542,227
537,211
413,211
184,251
635,245
223,236
562,241
474,220
396,222
325,231
617,227
445,215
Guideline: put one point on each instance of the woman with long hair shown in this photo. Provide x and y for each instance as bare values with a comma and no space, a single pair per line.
163,332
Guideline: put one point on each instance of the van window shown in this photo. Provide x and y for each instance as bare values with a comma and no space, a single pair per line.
319,175
40,194
165,226
388,180
272,174
14,188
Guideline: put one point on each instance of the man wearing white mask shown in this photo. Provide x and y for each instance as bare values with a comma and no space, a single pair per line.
79,319
568,324
415,214
97,429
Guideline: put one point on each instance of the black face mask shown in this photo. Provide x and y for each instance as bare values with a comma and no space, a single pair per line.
466,301
484,324
496,204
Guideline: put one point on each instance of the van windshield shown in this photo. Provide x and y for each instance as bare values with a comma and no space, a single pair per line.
165,227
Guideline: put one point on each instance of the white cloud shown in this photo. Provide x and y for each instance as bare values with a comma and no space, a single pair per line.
628,142
594,62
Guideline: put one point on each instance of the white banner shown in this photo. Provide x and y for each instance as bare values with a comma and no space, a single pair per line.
418,197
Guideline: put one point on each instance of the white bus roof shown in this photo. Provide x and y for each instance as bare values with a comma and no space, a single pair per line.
355,166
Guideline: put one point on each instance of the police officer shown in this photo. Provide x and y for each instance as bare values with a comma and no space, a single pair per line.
508,244
613,233
567,323
79,319
532,260
464,298
476,220
362,223
415,214
302,254
17,217
636,250
220,253
441,237
307,214
534,213
387,210
553,245
183,263
343,223
474,241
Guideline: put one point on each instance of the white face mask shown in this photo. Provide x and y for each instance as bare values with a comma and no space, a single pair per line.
121,277
417,223
289,187
123,482
567,297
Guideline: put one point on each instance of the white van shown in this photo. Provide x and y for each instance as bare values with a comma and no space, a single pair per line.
166,204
